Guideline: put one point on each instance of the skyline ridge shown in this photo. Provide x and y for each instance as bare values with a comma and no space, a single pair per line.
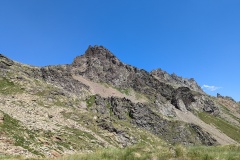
90,47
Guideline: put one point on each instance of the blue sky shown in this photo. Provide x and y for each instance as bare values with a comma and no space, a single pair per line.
199,39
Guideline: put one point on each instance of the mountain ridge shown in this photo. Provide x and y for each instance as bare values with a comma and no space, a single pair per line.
102,100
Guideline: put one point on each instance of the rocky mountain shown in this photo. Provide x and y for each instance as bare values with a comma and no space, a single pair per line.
98,101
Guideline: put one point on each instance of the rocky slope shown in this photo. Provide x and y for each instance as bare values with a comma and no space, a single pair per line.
176,81
98,101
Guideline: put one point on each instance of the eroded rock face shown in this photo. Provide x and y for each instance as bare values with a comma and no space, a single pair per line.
5,62
205,137
210,107
100,65
182,98
61,76
122,136
142,116
186,100
176,81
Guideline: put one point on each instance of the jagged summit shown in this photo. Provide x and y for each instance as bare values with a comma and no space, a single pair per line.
175,80
97,53
101,65
95,50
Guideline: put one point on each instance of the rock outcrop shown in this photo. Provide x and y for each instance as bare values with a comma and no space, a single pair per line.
176,81
5,62
100,65
144,117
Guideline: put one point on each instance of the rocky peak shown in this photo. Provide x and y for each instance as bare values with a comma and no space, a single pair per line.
94,53
99,50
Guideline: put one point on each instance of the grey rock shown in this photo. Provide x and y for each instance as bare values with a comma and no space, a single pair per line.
99,65
182,98
176,81
142,116
5,62
205,137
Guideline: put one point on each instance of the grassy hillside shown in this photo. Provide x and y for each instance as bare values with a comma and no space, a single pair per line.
143,152
227,128
155,152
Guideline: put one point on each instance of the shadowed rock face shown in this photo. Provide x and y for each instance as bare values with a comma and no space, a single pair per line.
182,98
142,116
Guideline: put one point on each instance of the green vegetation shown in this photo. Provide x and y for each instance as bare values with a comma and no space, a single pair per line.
110,109
59,103
144,151
21,136
76,139
150,146
42,93
227,111
90,101
225,127
230,152
70,139
125,91
136,152
105,85
7,87
8,157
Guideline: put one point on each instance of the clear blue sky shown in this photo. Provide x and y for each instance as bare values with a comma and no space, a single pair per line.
192,38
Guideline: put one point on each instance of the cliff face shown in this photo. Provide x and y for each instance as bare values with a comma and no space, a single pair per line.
98,101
